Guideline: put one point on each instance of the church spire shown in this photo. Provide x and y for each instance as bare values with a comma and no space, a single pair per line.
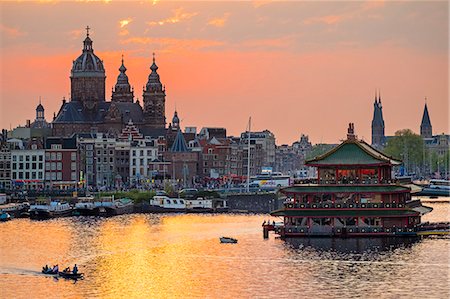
122,90
87,43
426,130
378,137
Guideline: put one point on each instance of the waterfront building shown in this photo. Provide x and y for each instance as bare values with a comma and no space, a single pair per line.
267,141
104,151
378,136
87,111
5,162
27,165
61,163
122,165
214,158
256,157
183,161
142,153
87,162
291,159
355,196
39,128
236,157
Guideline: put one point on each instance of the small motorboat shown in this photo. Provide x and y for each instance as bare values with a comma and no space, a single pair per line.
70,275
228,240
5,217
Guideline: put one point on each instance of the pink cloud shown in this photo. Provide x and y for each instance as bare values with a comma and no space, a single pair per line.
11,32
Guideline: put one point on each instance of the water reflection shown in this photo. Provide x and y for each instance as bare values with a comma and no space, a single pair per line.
351,245
179,256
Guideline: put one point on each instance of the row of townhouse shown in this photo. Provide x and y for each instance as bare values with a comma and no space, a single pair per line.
97,160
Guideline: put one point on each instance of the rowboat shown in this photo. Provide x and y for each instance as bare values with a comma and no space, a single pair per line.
228,240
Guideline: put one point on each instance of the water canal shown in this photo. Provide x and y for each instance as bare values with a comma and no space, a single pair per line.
179,256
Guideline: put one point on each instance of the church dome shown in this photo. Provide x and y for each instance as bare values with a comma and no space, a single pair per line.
88,64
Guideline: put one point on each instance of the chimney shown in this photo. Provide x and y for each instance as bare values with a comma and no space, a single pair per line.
28,123
351,132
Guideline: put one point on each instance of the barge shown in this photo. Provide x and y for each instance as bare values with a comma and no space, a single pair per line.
355,196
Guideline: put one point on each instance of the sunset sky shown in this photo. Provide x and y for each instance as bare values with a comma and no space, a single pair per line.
294,67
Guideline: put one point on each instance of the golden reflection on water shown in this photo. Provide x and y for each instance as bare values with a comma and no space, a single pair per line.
180,256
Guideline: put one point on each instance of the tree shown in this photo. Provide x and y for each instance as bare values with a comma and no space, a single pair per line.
408,147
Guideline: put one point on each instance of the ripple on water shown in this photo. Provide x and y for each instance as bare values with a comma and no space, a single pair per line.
179,256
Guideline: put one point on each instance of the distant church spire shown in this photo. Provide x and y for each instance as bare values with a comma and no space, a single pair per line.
426,130
378,137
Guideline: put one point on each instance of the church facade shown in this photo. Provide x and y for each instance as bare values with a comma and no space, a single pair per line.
87,111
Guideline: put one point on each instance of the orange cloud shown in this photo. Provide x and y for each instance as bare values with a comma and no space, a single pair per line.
75,34
10,31
179,16
219,22
173,44
125,22
329,20
267,44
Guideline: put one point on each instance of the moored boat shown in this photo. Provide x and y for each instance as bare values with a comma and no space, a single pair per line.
5,217
16,210
53,209
108,206
85,206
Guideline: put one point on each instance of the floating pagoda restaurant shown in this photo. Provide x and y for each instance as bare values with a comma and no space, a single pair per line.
355,196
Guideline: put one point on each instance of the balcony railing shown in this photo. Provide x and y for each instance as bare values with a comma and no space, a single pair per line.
339,205
349,229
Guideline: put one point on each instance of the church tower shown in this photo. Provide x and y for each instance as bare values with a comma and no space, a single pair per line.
154,100
378,138
87,79
426,130
122,91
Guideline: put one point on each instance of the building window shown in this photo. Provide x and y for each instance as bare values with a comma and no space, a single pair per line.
27,158
73,176
48,176
40,175
47,156
33,158
59,165
59,156
41,158
73,156
73,166
53,156
56,146
53,166
59,176
53,176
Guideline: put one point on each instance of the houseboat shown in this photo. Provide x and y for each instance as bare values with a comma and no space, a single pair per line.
354,196
53,209
16,210
165,204
85,207
108,206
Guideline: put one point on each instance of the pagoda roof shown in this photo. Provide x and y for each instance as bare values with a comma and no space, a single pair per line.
343,212
353,152
314,188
